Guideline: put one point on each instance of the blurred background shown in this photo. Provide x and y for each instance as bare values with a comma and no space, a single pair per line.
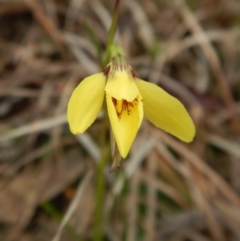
165,190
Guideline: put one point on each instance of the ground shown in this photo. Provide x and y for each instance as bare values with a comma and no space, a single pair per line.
52,182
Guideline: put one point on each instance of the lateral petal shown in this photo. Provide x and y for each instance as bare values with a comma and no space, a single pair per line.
125,122
165,111
85,103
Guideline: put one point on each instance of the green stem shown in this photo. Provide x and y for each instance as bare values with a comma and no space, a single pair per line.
100,181
105,152
112,32
100,196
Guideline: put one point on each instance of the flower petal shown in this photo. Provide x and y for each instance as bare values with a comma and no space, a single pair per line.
121,85
165,111
125,122
85,103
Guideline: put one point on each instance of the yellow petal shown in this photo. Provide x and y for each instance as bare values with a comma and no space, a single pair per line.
125,121
121,85
86,102
165,111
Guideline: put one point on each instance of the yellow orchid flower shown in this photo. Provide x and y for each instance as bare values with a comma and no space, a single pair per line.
128,99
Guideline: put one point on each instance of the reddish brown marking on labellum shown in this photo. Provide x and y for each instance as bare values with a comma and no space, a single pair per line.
123,105
118,106
114,101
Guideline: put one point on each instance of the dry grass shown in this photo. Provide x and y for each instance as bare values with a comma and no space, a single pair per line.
166,190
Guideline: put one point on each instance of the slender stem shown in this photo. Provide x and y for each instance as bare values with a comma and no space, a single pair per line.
100,180
112,32
105,152
100,195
